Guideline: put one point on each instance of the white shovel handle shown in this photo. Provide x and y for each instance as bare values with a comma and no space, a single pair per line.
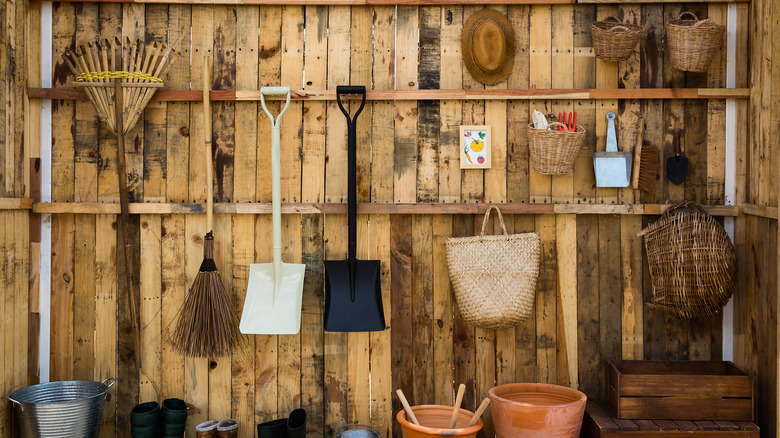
276,191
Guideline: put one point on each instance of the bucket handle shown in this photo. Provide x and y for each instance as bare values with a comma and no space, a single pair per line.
113,381
15,402
347,426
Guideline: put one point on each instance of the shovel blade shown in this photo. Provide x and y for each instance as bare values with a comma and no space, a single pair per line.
677,169
365,314
273,307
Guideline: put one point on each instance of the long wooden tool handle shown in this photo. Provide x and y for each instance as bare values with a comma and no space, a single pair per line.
456,408
124,206
479,412
207,134
407,408
640,131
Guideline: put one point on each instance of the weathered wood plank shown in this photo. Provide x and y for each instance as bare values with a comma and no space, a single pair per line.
62,283
402,342
588,336
84,297
150,292
406,113
540,76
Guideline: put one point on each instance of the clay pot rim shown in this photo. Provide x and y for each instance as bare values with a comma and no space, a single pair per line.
579,401
401,418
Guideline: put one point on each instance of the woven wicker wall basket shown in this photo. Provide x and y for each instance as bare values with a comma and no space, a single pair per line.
692,261
494,277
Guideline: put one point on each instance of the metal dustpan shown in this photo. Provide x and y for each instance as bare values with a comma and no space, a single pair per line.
612,168
275,291
353,294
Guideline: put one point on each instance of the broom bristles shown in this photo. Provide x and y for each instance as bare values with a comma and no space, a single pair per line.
208,322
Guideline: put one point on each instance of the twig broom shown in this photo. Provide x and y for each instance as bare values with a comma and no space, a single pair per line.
208,323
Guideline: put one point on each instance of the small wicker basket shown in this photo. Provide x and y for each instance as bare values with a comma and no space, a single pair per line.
692,262
693,43
613,40
553,152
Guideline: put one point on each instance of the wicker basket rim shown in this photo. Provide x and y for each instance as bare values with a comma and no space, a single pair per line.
607,25
537,131
689,25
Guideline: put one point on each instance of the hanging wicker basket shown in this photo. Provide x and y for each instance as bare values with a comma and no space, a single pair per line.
693,43
494,277
614,40
692,261
553,152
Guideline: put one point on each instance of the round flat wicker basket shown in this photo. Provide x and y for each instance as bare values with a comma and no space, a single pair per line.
614,40
692,261
693,43
553,152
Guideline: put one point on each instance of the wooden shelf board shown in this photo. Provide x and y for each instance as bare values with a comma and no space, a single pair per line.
387,2
388,95
16,203
367,208
760,211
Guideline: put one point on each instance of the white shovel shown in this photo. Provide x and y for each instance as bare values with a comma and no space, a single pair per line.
275,291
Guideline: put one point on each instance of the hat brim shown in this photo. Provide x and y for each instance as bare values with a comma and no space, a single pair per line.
467,44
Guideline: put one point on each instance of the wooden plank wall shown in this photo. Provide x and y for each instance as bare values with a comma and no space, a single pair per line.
15,231
593,278
755,310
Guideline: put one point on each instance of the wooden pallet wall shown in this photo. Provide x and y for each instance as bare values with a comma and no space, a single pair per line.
15,232
593,279
755,310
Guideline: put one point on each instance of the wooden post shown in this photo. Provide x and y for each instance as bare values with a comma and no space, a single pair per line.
124,205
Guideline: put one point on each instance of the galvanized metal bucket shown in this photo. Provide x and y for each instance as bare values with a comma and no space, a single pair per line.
66,409
359,431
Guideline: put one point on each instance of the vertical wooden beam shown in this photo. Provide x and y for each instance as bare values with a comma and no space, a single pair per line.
546,303
401,247
585,77
518,164
335,231
540,77
562,76
405,158
566,249
151,301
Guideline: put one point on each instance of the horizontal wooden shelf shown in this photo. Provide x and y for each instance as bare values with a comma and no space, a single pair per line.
760,211
366,208
16,203
385,95
386,2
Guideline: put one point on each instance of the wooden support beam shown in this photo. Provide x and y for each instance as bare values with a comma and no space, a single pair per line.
385,2
367,208
16,203
760,211
396,95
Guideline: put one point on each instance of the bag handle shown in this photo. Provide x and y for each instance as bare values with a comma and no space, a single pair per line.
680,17
622,28
670,210
500,218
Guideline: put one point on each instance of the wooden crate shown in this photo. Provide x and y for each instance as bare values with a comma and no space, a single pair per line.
679,390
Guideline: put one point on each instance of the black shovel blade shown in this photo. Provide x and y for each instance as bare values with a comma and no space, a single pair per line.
365,313
677,169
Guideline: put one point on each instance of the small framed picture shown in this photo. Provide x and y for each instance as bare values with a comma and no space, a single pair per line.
475,147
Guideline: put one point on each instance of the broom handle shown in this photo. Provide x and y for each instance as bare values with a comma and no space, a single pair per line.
124,203
207,129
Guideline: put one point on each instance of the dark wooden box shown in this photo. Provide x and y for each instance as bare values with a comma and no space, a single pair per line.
679,390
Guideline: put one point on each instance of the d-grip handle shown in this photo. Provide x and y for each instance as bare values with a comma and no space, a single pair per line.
351,89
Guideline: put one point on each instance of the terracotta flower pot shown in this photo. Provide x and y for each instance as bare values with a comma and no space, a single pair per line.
435,421
536,410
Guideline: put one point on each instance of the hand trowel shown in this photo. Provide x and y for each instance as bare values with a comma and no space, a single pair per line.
613,168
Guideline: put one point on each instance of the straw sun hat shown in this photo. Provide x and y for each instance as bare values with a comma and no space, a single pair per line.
488,46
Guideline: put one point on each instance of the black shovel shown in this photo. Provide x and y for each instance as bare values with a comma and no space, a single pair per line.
677,166
353,295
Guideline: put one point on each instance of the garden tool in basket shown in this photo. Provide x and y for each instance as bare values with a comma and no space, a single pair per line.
613,168
353,295
275,291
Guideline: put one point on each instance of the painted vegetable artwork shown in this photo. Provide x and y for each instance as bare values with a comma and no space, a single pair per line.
474,146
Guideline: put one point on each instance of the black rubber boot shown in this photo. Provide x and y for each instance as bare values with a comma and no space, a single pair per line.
272,429
145,420
173,418
296,424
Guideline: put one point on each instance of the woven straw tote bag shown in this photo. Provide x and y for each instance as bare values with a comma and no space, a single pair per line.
692,262
494,277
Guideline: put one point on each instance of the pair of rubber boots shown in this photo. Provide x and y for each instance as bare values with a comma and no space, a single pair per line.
147,420
292,427
217,429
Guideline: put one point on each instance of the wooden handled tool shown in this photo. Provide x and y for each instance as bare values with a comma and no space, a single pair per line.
456,408
407,408
479,412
